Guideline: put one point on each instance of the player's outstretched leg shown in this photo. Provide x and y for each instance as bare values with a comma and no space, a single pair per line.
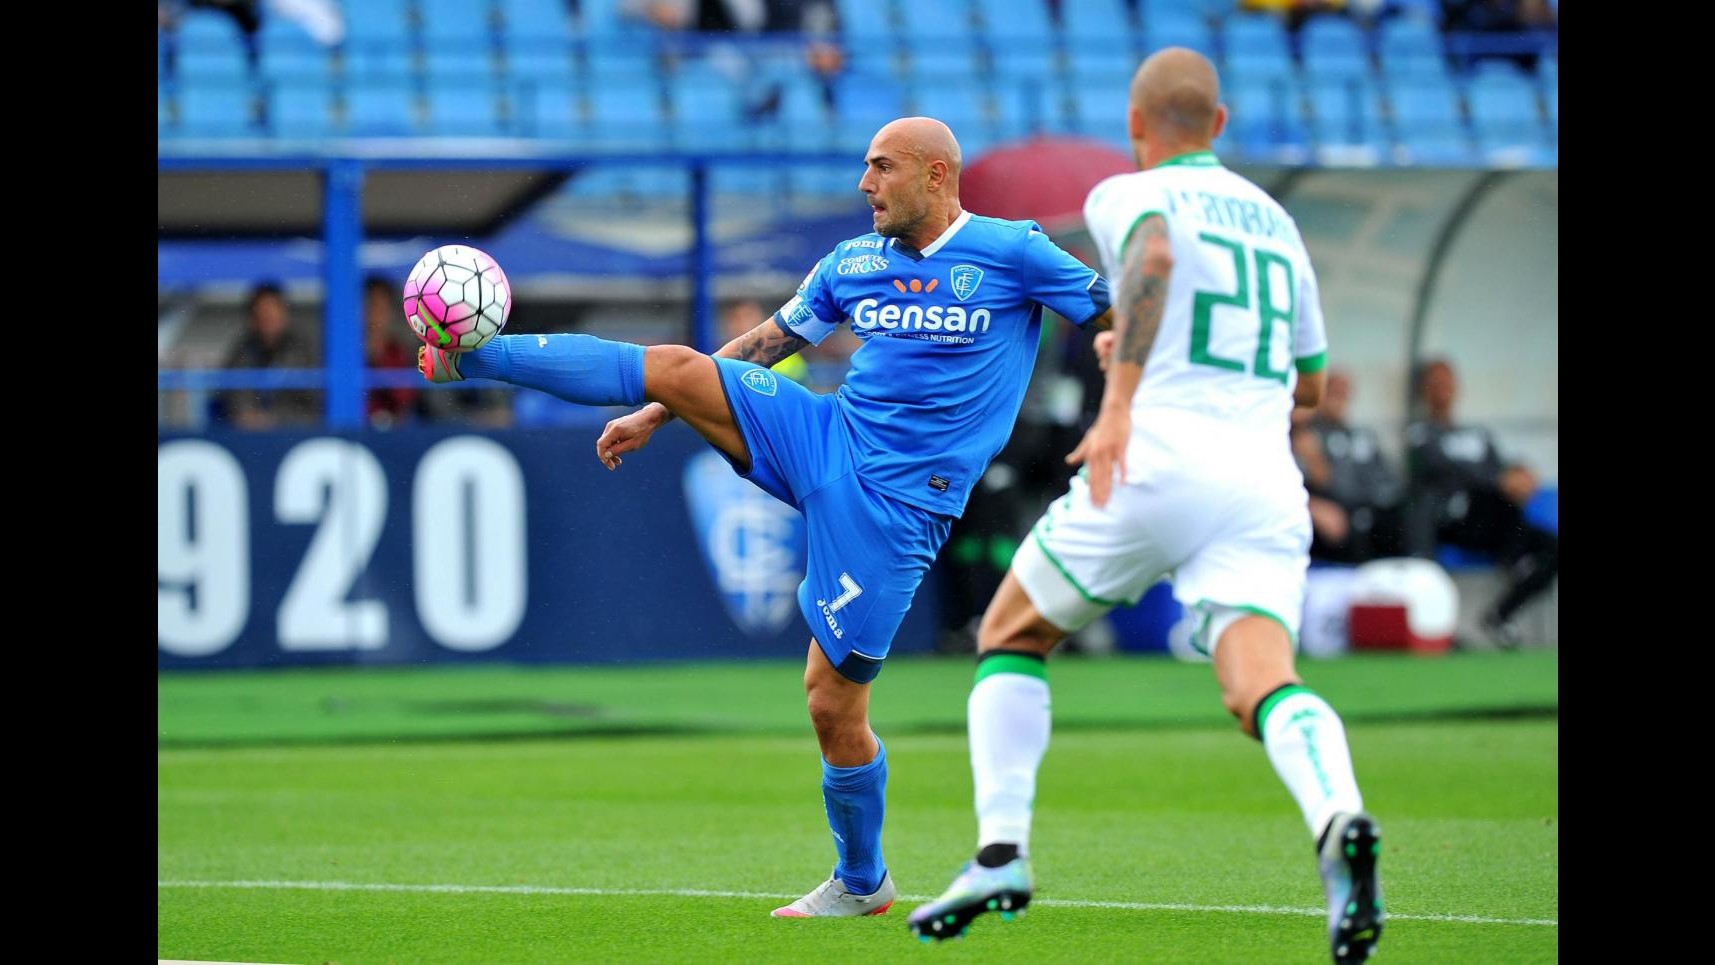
1009,722
854,793
594,371
1306,742
577,368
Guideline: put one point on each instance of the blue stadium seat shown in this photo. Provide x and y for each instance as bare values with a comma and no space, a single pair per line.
1101,111
866,22
1551,100
615,58
301,107
862,104
293,56
947,55
388,20
1347,113
1426,121
627,116
805,116
456,21
1256,48
548,62
1267,117
1021,61
451,62
378,61
546,110
935,19
1548,68
209,47
1103,60
955,101
1162,32
826,180
1030,107
381,110
535,19
1095,20
216,110
163,44
1014,22
1410,48
462,109
1333,48
706,110
1504,112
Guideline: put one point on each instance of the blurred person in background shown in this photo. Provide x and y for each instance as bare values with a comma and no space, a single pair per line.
812,26
1356,498
271,342
391,406
1463,494
1499,17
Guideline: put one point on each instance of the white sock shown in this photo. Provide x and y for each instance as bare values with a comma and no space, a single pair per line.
1009,722
1306,743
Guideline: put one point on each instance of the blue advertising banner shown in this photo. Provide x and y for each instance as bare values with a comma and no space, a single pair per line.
419,546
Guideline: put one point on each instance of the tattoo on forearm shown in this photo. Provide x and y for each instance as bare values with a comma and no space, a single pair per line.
765,345
1138,313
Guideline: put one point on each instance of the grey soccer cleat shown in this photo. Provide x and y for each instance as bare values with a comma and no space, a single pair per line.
831,899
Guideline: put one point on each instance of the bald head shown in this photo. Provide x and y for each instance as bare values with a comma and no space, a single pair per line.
1178,95
923,138
911,178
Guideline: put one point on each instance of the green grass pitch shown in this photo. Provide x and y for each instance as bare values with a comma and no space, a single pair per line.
657,814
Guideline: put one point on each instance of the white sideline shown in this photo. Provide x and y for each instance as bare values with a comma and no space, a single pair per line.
699,893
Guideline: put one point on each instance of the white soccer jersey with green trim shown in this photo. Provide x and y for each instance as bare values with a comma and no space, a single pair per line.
1242,315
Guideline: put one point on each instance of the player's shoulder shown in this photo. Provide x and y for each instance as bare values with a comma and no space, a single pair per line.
987,227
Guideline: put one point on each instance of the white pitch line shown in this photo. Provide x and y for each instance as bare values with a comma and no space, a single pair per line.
699,893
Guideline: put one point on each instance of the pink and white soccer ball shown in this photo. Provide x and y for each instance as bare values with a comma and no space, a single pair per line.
457,298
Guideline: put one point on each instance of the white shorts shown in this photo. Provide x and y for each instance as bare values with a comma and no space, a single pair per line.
1231,530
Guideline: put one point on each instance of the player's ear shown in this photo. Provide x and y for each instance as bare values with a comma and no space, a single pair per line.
937,174
1220,122
1133,122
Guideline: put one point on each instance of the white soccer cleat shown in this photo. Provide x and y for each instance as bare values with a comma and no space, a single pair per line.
438,366
832,900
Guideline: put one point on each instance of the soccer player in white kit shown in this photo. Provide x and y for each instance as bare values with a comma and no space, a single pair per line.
1188,474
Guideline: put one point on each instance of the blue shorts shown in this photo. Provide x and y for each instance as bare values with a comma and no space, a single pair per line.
868,551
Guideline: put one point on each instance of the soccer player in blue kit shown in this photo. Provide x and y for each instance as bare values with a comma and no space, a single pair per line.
948,307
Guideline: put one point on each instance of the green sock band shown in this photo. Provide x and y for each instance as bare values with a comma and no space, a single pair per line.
1011,661
1266,706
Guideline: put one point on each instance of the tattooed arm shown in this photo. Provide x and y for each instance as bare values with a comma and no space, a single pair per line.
1142,293
766,344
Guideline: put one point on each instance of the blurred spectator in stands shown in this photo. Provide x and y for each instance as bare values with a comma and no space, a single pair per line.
1356,499
1295,13
1499,17
271,343
808,29
1464,495
383,318
247,14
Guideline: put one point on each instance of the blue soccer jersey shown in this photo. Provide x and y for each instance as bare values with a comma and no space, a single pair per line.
949,339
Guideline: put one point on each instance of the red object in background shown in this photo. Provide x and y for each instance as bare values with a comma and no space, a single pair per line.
1044,178
1386,626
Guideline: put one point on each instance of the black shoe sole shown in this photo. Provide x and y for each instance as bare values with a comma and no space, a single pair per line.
953,922
1354,940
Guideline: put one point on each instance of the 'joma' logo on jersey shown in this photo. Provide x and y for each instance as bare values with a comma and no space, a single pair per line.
965,279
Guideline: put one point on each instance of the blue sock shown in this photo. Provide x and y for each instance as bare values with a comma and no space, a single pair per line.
577,368
856,798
